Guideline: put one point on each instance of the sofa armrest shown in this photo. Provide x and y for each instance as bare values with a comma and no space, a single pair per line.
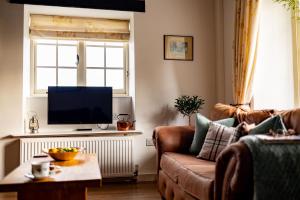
172,139
234,173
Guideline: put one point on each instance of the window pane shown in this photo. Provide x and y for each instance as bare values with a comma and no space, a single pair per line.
94,56
67,77
46,55
95,77
115,78
45,77
67,56
114,57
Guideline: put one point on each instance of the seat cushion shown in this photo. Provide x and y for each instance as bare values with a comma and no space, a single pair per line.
194,175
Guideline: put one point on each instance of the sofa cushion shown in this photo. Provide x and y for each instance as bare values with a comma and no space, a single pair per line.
194,175
272,123
201,128
218,138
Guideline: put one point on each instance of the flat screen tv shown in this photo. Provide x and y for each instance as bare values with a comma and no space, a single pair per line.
79,105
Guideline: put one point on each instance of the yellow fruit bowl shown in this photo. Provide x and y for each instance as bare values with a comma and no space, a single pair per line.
63,154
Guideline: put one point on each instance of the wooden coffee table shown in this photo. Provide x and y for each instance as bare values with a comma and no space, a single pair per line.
71,183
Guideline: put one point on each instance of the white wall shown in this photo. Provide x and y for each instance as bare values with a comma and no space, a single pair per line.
273,86
158,81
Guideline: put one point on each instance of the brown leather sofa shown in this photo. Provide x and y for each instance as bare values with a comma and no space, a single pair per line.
183,176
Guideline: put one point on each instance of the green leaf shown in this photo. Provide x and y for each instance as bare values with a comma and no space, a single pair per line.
289,4
188,105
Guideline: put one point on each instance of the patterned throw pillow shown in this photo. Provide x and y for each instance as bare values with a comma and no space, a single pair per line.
201,128
218,138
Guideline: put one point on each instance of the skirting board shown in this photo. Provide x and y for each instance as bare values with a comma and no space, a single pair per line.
147,177
140,178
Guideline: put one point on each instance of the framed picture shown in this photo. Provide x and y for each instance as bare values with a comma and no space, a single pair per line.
178,47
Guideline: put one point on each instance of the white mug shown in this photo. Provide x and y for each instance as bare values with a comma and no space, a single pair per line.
40,169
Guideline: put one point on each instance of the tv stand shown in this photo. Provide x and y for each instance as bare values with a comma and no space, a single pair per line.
83,129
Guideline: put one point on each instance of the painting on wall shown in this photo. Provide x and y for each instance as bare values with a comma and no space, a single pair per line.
178,47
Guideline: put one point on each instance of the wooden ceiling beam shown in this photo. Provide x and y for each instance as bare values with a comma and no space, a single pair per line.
123,5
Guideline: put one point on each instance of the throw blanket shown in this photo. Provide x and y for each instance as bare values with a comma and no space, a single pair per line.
276,169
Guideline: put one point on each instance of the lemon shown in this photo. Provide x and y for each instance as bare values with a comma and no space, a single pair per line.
53,150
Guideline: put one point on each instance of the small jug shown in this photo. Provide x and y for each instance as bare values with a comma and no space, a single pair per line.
123,123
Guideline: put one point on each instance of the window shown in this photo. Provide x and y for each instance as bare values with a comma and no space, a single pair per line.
79,52
85,63
273,82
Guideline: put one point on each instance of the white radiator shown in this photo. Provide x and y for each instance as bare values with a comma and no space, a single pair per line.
114,153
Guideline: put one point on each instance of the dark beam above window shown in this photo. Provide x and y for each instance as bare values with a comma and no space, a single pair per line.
124,5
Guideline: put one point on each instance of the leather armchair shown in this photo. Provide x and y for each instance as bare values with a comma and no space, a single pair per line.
172,139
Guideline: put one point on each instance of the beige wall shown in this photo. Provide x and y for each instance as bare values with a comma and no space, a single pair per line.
229,10
11,67
11,40
159,82
225,53
1,45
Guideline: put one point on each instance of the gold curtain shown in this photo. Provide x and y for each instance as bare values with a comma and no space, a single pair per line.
246,42
296,55
64,27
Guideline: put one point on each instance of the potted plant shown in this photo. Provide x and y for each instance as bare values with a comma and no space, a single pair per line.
188,105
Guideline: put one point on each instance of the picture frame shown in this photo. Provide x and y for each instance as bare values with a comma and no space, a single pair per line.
177,47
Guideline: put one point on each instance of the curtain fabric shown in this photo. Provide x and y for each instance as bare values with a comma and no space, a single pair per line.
63,27
296,55
245,48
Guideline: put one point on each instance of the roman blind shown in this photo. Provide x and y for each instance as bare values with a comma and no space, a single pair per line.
66,27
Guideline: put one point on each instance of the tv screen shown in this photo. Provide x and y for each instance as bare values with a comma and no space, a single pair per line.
79,105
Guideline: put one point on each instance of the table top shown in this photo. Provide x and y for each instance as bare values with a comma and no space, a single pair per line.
83,170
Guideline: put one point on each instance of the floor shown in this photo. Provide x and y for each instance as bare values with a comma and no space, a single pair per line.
114,191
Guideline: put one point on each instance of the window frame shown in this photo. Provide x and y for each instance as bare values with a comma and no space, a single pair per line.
81,66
